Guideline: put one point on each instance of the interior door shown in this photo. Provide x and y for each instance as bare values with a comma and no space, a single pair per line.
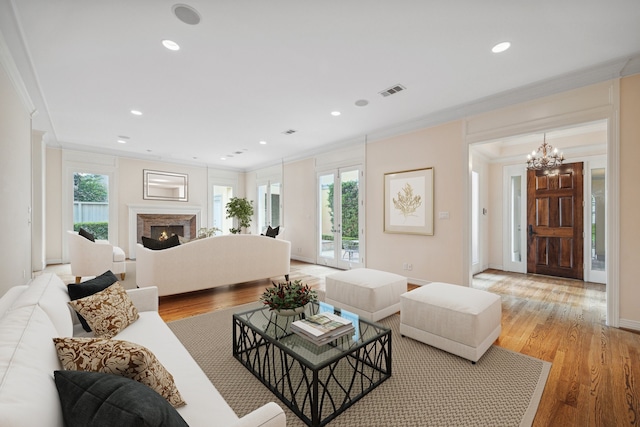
555,221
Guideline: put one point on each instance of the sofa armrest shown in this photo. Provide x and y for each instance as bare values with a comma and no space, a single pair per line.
269,415
145,299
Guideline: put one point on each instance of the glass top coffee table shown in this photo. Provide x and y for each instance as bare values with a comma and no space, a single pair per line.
316,382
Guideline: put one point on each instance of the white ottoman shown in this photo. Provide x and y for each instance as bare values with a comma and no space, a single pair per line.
371,294
457,319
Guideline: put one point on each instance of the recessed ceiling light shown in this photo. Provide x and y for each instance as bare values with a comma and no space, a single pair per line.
263,142
223,158
136,112
335,113
170,44
501,47
362,102
122,141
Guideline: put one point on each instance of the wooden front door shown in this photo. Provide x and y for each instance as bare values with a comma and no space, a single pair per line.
555,221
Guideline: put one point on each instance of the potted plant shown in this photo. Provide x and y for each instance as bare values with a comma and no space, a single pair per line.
288,298
242,210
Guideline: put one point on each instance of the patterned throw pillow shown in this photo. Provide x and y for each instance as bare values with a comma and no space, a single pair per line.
90,287
107,312
120,358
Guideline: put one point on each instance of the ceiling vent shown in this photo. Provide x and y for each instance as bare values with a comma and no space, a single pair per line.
289,132
392,90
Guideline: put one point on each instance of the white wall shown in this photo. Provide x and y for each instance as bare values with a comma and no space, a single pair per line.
629,202
437,257
15,185
299,181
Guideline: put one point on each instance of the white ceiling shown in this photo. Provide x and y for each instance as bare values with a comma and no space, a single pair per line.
253,69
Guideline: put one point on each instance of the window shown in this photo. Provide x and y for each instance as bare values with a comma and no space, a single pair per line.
91,204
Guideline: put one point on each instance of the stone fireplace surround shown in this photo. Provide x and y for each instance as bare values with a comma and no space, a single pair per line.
142,218
151,225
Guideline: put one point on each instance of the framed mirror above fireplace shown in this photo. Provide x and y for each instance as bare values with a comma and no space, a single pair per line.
159,185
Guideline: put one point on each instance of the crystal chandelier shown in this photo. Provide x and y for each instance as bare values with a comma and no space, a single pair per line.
546,157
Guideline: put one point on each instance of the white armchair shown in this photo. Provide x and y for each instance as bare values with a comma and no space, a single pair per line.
94,258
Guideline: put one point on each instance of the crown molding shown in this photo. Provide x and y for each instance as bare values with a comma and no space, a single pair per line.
620,67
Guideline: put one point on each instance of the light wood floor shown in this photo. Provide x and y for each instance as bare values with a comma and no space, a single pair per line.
594,379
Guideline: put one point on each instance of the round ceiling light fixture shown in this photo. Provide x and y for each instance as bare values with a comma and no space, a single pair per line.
362,103
335,113
501,47
136,112
186,14
263,142
171,45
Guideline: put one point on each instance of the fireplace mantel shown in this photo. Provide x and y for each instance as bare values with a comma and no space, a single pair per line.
135,210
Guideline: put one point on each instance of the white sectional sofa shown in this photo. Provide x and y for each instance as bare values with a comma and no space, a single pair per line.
211,262
32,315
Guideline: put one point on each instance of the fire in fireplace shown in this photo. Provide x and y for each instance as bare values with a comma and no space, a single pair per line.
169,230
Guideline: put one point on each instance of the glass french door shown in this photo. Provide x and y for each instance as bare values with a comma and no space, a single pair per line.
340,225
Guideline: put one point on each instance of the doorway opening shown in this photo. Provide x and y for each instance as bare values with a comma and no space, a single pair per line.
508,229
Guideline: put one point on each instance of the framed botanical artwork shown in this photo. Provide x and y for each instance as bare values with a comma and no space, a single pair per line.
408,202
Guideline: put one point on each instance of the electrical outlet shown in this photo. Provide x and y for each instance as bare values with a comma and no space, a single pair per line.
409,267
405,266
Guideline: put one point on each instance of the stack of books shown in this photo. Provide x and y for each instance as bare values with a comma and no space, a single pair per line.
322,328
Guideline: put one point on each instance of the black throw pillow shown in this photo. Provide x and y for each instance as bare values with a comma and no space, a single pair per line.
84,233
157,245
90,287
273,232
98,399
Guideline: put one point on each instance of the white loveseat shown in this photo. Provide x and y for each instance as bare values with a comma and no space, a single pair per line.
211,262
32,315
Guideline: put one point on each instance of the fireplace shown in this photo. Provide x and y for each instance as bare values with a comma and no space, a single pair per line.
151,221
152,225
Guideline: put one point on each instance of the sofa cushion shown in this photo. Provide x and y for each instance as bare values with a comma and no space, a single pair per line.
27,360
90,287
108,311
50,293
100,399
118,357
87,235
156,245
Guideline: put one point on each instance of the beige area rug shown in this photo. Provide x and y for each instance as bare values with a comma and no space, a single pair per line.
428,387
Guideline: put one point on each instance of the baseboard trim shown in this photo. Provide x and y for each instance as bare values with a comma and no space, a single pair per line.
629,324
